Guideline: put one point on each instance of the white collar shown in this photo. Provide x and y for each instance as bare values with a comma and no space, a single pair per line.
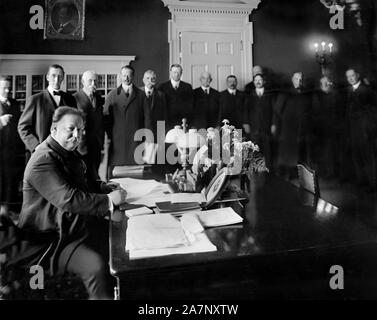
205,88
127,88
148,90
175,83
3,100
231,91
356,85
51,90
259,90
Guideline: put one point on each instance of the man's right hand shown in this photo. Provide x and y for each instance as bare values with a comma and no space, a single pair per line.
118,196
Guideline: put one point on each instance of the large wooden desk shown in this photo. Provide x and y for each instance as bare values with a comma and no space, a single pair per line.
284,249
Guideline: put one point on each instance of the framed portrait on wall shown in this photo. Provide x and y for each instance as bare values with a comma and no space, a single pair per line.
65,19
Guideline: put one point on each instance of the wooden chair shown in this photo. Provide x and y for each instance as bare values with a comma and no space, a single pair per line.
308,179
14,271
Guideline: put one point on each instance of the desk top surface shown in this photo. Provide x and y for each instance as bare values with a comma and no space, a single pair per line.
279,218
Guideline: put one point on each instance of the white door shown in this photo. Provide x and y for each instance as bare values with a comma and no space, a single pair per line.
218,53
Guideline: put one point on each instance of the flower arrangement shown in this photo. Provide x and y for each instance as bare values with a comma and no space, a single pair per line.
226,148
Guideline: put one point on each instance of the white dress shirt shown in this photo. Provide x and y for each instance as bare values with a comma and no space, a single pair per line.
205,89
148,92
259,91
174,83
56,98
356,86
127,89
232,91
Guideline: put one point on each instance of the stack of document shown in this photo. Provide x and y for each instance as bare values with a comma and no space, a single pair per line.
217,217
160,235
144,192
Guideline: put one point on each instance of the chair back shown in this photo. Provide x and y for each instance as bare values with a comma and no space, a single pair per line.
308,179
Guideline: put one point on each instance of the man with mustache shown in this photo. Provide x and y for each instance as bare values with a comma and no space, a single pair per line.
90,103
231,104
58,197
125,114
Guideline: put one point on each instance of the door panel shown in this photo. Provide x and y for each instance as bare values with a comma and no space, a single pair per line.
218,53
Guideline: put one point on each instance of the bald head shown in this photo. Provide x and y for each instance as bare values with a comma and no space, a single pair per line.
257,70
297,80
89,81
205,79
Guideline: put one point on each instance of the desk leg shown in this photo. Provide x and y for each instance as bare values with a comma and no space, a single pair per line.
117,290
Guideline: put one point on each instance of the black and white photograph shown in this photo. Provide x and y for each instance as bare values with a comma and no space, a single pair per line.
188,157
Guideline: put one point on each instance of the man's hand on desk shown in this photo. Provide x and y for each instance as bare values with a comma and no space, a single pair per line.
118,196
109,187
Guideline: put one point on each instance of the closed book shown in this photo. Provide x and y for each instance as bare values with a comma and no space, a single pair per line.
168,207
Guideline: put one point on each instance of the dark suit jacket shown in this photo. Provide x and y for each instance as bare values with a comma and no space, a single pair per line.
232,108
259,112
93,140
179,103
158,110
35,122
125,116
361,101
206,108
12,152
292,110
57,196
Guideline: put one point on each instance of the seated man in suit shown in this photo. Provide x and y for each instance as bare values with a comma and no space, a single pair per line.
35,122
12,149
231,104
206,104
58,199
179,97
90,103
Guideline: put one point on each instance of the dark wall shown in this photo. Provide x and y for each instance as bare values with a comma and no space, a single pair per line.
115,27
284,31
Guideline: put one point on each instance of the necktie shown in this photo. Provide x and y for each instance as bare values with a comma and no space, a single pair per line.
91,98
149,94
57,93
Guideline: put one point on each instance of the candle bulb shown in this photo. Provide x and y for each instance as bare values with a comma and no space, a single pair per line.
330,47
316,47
323,45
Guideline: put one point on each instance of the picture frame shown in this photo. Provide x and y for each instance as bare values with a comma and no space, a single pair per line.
216,187
64,19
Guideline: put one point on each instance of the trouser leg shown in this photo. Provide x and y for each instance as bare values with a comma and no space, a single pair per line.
90,267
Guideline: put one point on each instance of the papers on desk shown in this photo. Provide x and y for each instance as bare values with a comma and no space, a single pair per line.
185,197
145,192
217,217
160,235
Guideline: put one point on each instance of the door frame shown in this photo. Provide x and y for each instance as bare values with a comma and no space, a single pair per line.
202,16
